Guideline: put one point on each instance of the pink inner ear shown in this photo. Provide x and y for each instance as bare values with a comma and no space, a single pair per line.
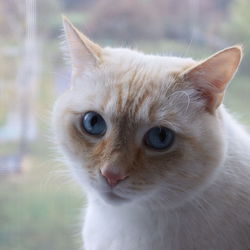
212,75
205,84
220,85
216,71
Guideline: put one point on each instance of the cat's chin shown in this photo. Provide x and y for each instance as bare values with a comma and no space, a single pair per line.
113,199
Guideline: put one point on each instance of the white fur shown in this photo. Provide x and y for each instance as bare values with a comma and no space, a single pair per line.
170,212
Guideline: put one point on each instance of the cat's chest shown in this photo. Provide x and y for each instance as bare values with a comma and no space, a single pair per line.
112,230
121,229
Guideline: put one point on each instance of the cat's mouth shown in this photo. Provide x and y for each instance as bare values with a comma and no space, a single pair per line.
112,197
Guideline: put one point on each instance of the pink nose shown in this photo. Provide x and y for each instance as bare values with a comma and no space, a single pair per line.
112,178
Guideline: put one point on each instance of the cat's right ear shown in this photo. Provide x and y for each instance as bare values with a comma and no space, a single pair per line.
84,54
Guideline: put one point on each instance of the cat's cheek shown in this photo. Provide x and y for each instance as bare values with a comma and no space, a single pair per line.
189,179
186,171
77,160
81,176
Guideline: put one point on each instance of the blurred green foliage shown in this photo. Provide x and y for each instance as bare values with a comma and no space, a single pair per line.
38,212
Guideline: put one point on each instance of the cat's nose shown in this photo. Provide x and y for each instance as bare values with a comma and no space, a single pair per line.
111,177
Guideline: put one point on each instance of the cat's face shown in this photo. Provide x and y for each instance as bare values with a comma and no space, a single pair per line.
137,127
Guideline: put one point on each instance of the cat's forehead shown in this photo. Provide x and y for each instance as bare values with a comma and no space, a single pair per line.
121,60
128,69
131,84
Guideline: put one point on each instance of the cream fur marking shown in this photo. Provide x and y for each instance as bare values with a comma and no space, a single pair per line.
195,194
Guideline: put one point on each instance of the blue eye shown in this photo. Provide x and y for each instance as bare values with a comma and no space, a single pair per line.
159,138
93,123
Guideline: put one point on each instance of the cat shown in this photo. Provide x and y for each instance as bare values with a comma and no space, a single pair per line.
163,164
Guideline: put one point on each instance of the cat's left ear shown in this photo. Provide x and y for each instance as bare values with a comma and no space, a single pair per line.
83,52
211,76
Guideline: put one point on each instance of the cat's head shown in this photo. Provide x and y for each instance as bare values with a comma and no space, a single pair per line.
142,127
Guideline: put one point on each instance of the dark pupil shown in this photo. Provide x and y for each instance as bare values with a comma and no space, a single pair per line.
93,121
94,124
162,135
159,138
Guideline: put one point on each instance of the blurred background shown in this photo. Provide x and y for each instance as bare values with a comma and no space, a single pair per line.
39,208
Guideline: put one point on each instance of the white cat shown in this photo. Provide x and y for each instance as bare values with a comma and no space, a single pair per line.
163,164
